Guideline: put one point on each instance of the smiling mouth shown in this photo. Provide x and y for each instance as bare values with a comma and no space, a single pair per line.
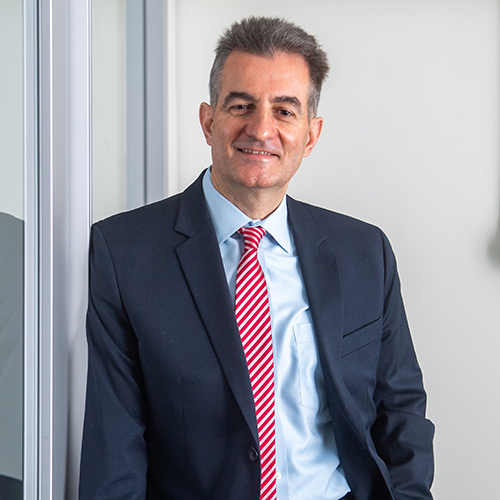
256,152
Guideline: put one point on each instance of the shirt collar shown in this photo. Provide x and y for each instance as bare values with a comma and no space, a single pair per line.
227,218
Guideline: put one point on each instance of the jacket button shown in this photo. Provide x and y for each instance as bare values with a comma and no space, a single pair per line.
253,454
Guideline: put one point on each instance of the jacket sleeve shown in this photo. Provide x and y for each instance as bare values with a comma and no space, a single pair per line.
114,458
401,433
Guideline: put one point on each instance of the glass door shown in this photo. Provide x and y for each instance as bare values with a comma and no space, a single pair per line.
18,250
12,248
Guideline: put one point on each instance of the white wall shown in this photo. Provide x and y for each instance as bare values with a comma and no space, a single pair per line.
410,143
109,107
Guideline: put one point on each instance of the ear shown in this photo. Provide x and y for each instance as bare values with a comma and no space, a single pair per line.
206,121
314,132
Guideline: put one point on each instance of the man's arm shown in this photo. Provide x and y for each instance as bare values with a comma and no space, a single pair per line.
114,458
401,433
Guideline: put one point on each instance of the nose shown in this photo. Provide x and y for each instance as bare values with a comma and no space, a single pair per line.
261,125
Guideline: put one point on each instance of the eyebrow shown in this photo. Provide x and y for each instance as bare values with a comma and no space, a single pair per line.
249,97
288,100
237,95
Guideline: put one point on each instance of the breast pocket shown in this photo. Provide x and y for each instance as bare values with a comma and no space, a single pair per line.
360,355
309,369
360,338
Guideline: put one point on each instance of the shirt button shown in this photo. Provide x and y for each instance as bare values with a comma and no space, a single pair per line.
278,474
253,454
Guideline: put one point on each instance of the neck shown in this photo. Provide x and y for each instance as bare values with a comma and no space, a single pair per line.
256,203
257,209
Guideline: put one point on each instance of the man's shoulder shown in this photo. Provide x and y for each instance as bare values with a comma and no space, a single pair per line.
354,242
334,222
160,216
151,217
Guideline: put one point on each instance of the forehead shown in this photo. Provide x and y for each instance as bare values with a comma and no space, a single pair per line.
281,74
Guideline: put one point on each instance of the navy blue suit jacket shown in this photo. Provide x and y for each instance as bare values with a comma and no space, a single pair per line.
169,412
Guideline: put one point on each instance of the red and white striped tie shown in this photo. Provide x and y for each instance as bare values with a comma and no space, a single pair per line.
254,323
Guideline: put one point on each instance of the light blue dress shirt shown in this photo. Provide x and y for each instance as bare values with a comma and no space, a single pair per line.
306,453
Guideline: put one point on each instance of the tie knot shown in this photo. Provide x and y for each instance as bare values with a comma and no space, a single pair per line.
252,236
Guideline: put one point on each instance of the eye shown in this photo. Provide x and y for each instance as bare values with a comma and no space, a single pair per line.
239,109
285,112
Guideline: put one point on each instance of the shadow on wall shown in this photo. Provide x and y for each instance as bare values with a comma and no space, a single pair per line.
494,247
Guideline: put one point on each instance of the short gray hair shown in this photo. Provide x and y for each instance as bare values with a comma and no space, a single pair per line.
266,36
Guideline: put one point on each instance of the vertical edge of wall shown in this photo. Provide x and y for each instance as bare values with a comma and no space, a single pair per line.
154,99
80,216
171,99
135,62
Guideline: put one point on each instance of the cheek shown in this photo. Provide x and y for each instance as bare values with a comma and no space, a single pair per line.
295,137
219,142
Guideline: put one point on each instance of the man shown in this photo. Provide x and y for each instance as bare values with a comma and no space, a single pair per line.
243,345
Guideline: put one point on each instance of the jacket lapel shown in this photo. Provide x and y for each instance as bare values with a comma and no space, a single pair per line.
202,265
323,285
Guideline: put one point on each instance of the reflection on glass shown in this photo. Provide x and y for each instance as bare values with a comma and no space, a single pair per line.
11,356
11,249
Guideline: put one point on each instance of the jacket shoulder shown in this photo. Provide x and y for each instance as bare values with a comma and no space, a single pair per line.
343,227
160,213
163,209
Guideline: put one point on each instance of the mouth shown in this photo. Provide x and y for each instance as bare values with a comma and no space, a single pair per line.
256,152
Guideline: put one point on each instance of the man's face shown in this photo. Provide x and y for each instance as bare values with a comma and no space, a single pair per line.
260,130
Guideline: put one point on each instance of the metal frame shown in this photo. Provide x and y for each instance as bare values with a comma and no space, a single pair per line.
76,237
171,99
30,413
53,161
45,253
154,39
136,149
148,146
58,216
60,211
63,202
